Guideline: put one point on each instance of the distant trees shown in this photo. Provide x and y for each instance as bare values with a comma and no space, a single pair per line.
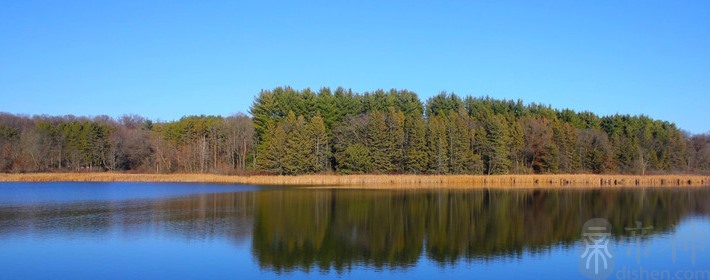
595,151
394,132
698,152
304,131
294,146
239,140
541,151
192,144
130,144
416,156
201,144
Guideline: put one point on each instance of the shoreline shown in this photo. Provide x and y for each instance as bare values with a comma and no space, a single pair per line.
382,181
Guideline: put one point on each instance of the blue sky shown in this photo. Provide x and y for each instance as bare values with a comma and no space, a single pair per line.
166,59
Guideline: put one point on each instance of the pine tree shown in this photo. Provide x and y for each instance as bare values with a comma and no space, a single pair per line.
395,143
379,142
460,154
416,156
346,104
263,112
408,103
438,145
325,105
352,131
272,149
565,137
498,161
300,157
443,103
319,138
356,159
516,145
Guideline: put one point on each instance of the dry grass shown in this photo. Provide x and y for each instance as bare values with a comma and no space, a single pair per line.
381,181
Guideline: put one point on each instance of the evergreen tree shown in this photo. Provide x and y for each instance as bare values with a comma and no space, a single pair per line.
320,147
356,159
352,131
496,156
517,146
300,155
407,102
443,103
272,149
263,112
416,155
565,138
396,140
460,155
347,104
300,131
325,106
379,142
438,144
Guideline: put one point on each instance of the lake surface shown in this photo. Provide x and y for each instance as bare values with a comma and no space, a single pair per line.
212,231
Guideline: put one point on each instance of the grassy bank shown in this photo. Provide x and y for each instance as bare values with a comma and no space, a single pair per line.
380,181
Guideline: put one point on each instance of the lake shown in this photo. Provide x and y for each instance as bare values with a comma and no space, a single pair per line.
213,231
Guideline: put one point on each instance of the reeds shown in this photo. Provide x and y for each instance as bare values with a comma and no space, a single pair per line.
381,181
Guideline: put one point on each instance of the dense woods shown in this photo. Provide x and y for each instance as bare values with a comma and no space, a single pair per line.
131,143
302,131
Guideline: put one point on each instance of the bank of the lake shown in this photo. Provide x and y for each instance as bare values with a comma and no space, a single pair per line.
381,181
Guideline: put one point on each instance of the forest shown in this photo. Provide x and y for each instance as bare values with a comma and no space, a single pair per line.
291,132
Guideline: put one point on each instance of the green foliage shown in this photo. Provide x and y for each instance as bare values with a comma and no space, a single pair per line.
395,140
356,159
443,103
272,151
264,112
595,151
295,146
319,143
438,145
416,157
494,146
462,160
299,157
303,131
380,143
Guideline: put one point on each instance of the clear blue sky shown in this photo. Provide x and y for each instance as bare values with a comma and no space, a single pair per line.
166,59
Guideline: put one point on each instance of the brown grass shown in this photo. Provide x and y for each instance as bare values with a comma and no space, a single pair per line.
381,181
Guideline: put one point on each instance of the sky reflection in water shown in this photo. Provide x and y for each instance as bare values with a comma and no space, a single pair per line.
149,231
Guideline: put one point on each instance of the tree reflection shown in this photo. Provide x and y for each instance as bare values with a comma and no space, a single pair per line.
200,216
303,229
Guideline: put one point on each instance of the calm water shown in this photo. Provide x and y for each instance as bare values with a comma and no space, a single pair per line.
188,231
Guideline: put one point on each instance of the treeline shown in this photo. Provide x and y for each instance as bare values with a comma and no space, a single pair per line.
394,132
303,131
130,143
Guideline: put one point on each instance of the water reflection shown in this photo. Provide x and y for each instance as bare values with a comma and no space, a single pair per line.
201,216
300,229
337,229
